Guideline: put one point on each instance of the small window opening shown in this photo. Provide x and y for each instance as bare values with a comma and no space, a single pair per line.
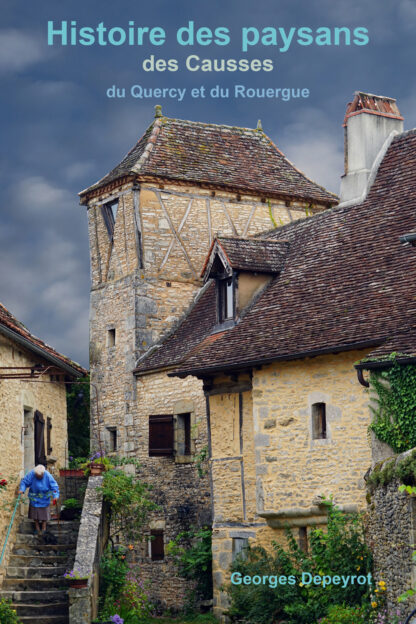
157,547
112,432
226,299
319,421
111,337
303,539
109,212
184,434
239,546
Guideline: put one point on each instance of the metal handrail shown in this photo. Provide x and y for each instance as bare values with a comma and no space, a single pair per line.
408,620
9,529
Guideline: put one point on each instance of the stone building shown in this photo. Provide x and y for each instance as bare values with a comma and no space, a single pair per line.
152,220
32,407
287,416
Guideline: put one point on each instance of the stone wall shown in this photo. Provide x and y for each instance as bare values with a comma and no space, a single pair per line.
143,281
391,535
15,398
267,470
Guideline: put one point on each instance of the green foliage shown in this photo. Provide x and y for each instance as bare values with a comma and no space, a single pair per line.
339,614
129,504
72,503
404,470
199,460
7,613
191,551
341,550
113,572
78,403
122,590
395,415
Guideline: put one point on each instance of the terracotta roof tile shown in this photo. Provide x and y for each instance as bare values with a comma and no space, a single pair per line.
249,254
224,156
10,322
347,279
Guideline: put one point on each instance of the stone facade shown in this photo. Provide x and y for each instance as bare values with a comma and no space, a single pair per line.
144,278
391,535
18,402
267,470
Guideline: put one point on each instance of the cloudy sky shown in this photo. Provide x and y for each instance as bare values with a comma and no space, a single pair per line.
60,132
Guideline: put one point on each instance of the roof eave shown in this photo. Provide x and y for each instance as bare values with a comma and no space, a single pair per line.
94,190
213,370
73,372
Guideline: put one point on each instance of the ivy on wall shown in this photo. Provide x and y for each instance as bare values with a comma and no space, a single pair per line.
395,412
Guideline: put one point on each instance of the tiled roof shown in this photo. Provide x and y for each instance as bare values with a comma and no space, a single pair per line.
347,280
375,104
17,330
401,343
249,254
225,156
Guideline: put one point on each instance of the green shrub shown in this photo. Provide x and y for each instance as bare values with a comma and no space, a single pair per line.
340,550
113,573
340,614
192,554
7,613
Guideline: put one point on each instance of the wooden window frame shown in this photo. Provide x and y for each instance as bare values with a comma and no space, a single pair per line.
155,421
48,435
226,286
319,423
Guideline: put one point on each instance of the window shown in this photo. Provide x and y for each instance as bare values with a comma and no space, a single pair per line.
225,299
319,421
109,212
49,435
111,338
303,539
239,544
157,547
160,435
112,438
183,434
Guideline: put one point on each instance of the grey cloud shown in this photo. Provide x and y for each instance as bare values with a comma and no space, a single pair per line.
19,50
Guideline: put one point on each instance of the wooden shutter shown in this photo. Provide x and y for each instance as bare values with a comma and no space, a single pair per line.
40,457
49,435
160,435
157,547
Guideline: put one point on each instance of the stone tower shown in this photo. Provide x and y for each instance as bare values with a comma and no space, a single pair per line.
152,220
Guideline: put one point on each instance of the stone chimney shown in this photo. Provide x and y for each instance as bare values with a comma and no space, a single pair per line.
370,123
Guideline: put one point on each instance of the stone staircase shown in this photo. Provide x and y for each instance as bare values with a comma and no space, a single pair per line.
34,578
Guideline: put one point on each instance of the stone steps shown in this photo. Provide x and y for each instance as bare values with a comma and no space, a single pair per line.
41,608
45,560
35,571
35,597
22,584
44,619
34,577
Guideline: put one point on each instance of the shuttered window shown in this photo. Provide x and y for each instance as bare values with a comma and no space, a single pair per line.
49,435
160,435
157,547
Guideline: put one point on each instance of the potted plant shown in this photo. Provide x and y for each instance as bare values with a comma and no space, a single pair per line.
76,578
98,464
71,509
74,468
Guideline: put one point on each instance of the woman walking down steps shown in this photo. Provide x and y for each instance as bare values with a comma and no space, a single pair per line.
42,488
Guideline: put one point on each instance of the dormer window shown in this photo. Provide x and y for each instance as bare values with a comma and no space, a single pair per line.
226,305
